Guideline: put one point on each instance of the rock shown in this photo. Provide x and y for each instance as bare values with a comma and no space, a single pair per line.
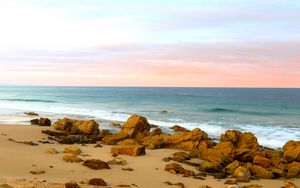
156,141
291,151
114,138
175,168
244,155
36,172
242,172
155,131
127,169
133,150
72,158
5,186
204,186
289,185
210,167
116,124
72,149
218,156
117,161
51,151
261,172
293,170
178,128
163,111
71,185
97,182
230,182
242,179
96,164
181,185
252,186
229,169
41,122
136,127
98,146
90,127
180,156
262,161
31,113
187,140
241,140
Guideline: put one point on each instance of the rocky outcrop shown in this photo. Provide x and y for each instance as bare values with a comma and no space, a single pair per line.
41,122
89,127
31,113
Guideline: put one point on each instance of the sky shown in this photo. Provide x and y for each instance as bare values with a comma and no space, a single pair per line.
182,43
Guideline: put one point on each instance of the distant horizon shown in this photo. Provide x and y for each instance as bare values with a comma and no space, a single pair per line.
208,87
180,43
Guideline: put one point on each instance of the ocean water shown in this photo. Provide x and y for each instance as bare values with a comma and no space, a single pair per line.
272,114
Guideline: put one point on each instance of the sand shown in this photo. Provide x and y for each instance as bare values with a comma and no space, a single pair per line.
17,160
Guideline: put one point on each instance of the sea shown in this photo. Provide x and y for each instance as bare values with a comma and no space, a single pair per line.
273,115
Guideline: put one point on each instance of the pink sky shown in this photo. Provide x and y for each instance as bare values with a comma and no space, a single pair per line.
190,44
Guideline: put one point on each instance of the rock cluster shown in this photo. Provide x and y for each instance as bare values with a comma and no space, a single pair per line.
237,154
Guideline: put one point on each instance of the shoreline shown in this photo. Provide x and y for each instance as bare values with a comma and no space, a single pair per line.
18,159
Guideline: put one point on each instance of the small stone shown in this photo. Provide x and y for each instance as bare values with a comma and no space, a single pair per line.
36,172
97,182
72,158
72,149
51,151
5,186
127,169
98,146
166,159
230,182
96,164
72,185
117,161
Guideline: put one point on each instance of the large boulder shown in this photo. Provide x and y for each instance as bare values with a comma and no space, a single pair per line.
77,126
241,140
291,151
187,140
261,172
262,161
293,170
156,141
136,127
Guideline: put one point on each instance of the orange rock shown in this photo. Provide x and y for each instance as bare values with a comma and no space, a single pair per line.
136,126
178,128
133,150
291,151
178,169
261,172
112,139
262,161
77,126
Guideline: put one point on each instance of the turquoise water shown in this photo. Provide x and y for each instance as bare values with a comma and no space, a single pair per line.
272,114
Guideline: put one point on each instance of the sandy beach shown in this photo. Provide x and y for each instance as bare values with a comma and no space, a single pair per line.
18,159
